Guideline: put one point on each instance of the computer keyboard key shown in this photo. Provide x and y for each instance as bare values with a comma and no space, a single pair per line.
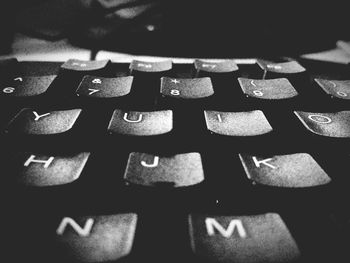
248,238
335,124
195,88
41,170
180,170
99,238
27,86
84,65
147,66
100,87
221,66
250,123
291,170
32,122
288,67
271,89
336,88
141,123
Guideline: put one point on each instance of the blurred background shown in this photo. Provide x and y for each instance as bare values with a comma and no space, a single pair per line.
181,27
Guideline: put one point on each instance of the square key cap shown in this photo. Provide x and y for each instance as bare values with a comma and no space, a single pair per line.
96,238
100,87
180,170
181,88
270,89
42,170
335,88
141,123
84,65
251,123
291,70
291,170
334,124
33,122
288,67
221,66
150,66
27,86
242,239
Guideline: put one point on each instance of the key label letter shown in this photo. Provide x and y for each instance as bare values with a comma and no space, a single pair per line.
320,118
8,90
211,223
37,116
219,117
208,66
144,65
82,65
265,162
126,118
151,165
84,232
272,66
45,162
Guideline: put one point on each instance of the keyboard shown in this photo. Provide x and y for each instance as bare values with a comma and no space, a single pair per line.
227,160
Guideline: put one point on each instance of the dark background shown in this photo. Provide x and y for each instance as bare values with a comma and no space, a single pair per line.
184,28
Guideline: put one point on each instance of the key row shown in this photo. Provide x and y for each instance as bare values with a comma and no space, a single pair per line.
180,170
11,67
230,238
184,88
136,123
213,66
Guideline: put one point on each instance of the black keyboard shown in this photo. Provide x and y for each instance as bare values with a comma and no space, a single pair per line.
205,161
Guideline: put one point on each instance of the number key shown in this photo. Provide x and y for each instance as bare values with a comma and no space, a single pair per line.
186,88
273,89
28,86
335,88
98,87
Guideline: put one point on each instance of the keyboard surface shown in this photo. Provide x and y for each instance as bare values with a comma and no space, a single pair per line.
203,161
